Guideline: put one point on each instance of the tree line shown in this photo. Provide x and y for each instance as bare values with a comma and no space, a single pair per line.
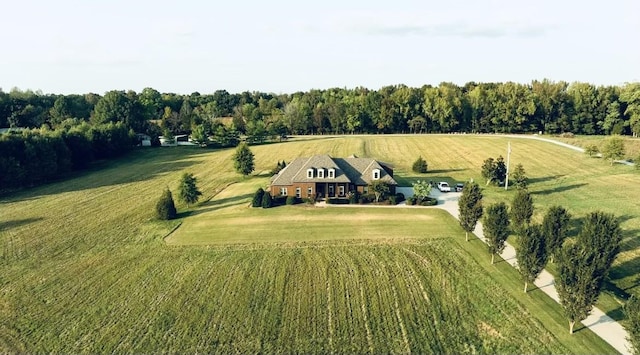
547,106
36,156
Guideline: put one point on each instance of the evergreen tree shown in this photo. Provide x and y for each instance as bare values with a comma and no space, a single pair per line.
165,208
531,254
420,165
267,201
470,207
496,228
519,177
279,166
257,198
189,192
501,170
243,160
521,210
555,227
632,311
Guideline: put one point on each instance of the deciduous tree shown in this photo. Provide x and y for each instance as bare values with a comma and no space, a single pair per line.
575,284
489,170
531,254
496,228
591,150
555,227
380,188
519,177
243,160
613,149
521,209
584,266
470,207
421,189
632,311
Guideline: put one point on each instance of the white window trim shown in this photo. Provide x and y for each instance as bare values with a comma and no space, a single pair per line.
309,191
298,192
376,174
321,173
309,173
341,190
283,191
331,173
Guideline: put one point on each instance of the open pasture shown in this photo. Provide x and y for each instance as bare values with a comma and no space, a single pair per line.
85,268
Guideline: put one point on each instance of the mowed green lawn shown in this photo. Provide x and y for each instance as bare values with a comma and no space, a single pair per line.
85,267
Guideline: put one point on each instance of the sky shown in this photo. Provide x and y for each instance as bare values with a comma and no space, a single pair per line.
82,46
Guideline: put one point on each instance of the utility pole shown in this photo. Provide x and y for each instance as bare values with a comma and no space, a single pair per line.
506,181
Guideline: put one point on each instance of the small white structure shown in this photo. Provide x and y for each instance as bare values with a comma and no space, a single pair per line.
167,141
181,139
145,140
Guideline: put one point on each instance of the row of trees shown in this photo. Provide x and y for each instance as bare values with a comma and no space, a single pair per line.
36,156
583,261
547,106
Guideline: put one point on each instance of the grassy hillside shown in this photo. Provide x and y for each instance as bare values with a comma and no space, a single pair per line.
84,267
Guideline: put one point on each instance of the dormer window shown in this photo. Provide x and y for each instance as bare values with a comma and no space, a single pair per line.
376,174
309,173
331,174
321,173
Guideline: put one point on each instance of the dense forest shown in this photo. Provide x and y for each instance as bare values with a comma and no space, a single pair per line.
61,133
550,107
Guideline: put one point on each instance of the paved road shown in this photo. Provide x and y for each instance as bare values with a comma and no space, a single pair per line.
601,324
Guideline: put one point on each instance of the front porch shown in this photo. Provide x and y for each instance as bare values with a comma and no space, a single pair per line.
326,190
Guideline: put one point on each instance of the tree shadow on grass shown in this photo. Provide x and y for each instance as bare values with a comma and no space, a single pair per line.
561,188
444,171
215,205
17,223
537,180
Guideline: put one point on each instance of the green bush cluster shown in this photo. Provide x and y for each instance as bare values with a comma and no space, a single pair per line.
291,200
427,201
257,198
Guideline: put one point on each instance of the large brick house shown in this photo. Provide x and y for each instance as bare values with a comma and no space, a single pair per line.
322,176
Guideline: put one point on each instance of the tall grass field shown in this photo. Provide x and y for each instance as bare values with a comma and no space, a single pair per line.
86,268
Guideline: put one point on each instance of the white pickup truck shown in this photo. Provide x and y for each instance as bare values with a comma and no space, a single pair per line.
444,187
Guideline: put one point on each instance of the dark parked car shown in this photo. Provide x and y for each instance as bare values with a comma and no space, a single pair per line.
459,187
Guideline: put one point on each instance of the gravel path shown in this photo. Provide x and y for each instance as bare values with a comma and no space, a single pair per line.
601,324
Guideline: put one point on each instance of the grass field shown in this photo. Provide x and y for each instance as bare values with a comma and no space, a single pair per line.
85,267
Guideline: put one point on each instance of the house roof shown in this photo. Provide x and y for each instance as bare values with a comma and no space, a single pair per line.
358,171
